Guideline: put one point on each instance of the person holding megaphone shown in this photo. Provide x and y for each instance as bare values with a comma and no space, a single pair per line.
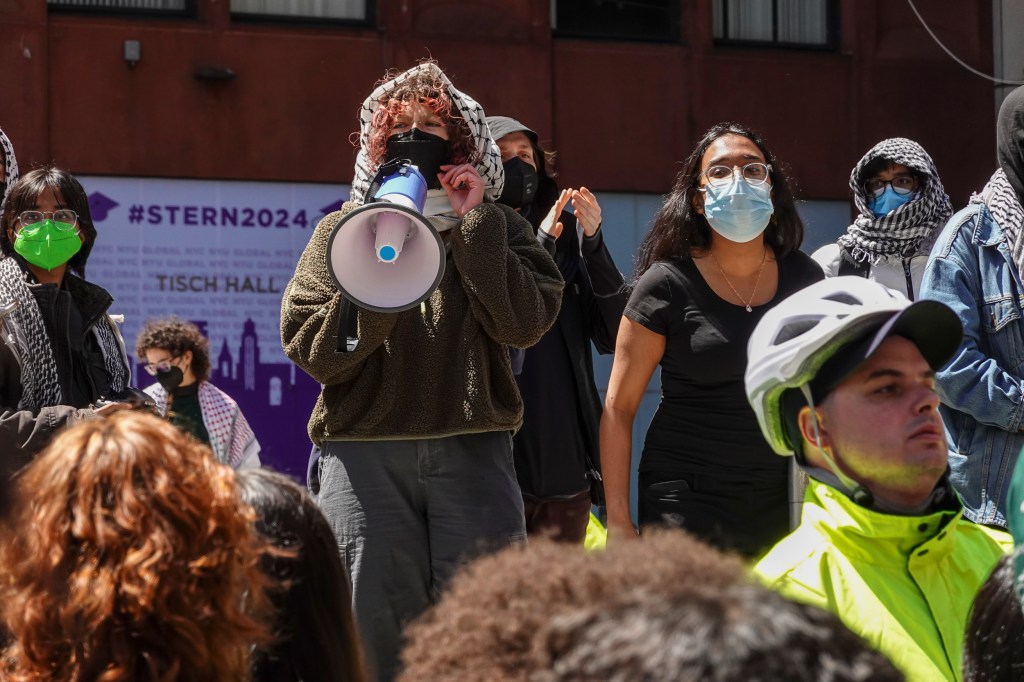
415,417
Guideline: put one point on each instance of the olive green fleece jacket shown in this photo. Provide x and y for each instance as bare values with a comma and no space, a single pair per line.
439,369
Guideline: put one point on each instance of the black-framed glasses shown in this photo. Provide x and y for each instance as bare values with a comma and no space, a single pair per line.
901,184
154,368
755,173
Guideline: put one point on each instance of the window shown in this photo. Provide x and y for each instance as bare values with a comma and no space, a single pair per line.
805,23
350,10
162,7
648,20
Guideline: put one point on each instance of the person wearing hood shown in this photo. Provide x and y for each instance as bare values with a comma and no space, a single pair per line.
556,452
415,423
901,207
177,355
975,268
61,355
8,166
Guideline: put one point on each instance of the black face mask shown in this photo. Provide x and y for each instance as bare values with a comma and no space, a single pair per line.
170,379
427,152
520,183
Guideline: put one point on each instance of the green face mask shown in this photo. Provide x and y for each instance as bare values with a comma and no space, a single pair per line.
48,244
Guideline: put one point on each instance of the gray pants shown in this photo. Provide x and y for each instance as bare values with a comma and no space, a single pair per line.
407,514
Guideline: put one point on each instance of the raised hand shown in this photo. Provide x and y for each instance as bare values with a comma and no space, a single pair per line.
463,185
551,225
588,211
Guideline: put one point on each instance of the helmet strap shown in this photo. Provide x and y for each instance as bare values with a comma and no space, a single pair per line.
855,491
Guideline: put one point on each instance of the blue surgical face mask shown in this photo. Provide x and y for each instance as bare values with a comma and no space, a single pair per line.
888,201
738,211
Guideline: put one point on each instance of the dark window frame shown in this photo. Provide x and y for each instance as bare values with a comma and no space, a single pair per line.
191,11
308,22
674,34
831,43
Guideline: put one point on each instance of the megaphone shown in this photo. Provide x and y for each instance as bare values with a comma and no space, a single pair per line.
386,256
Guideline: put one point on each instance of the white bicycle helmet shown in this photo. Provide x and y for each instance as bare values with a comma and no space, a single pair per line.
794,339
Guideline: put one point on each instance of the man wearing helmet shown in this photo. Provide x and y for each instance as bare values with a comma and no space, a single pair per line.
841,375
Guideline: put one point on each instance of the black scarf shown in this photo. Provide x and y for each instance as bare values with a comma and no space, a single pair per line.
1004,193
1010,140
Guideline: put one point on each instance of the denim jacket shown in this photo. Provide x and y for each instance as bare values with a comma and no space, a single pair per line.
982,390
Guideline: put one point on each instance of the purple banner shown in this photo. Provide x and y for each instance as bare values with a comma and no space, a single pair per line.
219,254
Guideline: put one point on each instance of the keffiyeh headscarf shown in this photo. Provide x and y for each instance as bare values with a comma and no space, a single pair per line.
488,164
10,166
1004,193
901,231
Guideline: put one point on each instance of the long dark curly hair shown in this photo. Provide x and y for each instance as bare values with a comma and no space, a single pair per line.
130,557
678,227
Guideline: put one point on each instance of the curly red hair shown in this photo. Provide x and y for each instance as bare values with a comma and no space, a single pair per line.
432,93
130,558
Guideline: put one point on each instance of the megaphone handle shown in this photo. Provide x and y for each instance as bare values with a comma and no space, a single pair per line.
348,329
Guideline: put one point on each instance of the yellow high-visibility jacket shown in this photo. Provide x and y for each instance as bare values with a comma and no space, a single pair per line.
903,583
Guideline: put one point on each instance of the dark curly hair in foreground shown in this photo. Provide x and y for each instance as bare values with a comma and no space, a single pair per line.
740,633
176,336
130,557
994,645
666,607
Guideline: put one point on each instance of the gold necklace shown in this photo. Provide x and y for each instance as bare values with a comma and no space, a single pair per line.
746,304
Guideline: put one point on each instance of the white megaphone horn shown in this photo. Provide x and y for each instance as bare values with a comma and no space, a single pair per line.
386,256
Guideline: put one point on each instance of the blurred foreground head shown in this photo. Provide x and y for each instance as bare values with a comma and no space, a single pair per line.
664,608
130,558
317,639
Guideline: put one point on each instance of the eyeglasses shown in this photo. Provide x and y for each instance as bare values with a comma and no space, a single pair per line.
154,368
65,219
754,173
901,184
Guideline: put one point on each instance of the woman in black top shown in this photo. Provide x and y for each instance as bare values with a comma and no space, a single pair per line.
723,250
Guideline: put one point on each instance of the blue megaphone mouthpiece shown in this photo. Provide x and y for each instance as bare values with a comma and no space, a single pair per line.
405,182
405,186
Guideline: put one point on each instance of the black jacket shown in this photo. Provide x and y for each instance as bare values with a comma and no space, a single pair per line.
26,432
592,304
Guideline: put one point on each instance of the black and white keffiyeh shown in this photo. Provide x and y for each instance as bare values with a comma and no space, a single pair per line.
902,231
40,386
489,162
1005,207
10,166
